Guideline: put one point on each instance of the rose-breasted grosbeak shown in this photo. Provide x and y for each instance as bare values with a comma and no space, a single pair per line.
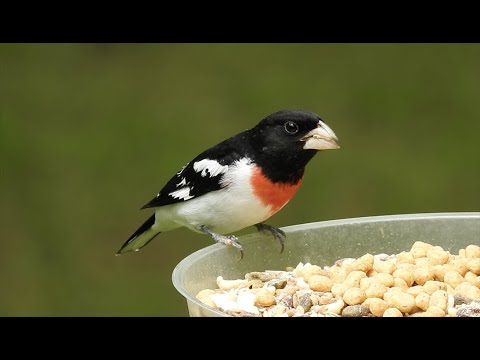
240,182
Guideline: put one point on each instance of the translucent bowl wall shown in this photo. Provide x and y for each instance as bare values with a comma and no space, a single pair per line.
320,243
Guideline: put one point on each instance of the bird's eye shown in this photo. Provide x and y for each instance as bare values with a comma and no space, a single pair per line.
290,127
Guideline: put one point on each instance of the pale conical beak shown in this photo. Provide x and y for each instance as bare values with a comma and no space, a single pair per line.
321,138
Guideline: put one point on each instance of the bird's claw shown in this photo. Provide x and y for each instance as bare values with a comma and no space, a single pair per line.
233,241
230,240
277,233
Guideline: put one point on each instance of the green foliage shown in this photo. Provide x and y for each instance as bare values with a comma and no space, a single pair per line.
91,132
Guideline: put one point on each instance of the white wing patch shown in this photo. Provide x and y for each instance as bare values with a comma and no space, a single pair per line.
182,183
212,166
183,194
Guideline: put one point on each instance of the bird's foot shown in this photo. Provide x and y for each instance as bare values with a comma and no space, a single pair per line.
276,232
229,240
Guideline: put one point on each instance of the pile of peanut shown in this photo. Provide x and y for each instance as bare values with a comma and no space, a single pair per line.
425,281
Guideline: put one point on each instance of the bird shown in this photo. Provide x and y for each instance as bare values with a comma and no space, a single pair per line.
240,182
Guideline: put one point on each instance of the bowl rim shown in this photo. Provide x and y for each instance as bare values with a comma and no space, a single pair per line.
178,270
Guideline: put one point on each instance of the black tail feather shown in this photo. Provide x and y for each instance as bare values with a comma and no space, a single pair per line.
148,235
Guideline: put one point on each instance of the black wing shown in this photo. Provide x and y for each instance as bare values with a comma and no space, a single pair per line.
202,174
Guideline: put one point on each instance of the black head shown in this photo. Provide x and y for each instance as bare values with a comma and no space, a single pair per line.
288,139
293,130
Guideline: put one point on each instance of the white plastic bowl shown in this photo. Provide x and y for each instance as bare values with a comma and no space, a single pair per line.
320,243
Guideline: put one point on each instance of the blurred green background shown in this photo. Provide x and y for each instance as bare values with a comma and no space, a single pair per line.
90,132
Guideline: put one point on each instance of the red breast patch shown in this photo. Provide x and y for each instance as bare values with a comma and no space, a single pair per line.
272,194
